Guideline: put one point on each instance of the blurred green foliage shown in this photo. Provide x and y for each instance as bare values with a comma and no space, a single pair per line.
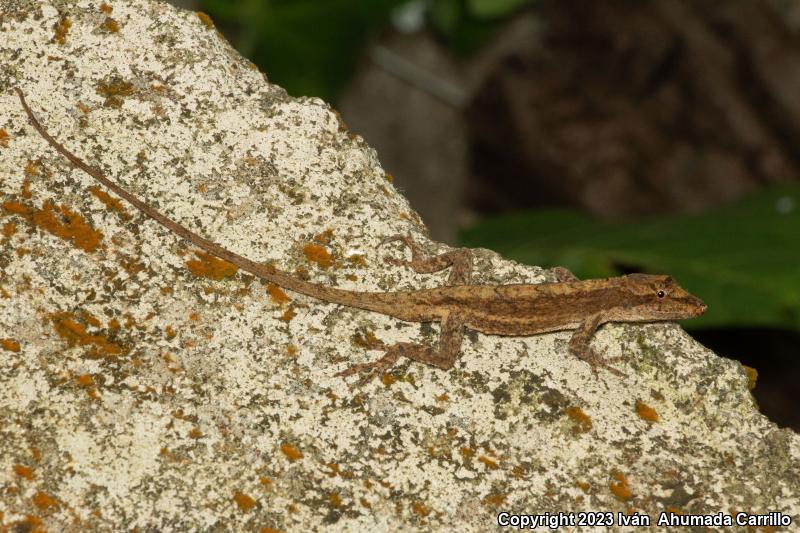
310,47
743,260
467,24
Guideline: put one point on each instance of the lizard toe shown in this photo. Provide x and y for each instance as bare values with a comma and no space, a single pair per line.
373,369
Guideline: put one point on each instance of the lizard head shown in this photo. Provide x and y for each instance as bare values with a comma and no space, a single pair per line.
650,297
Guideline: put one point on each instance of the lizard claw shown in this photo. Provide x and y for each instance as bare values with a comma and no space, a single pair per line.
393,238
597,361
408,241
373,369
563,274
394,261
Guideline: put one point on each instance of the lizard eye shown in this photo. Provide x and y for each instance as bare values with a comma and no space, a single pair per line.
660,294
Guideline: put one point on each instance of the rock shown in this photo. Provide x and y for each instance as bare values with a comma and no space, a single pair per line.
144,386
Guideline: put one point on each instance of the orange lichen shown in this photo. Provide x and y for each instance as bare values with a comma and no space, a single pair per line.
389,177
367,340
132,265
32,169
42,500
105,8
490,464
113,91
10,344
30,524
288,315
621,489
646,412
357,260
16,208
388,380
291,349
3,138
110,25
318,255
85,380
9,229
244,501
76,335
520,472
205,19
277,294
23,471
335,500
583,486
210,267
495,500
336,470
130,321
583,422
752,376
67,225
169,332
89,318
62,29
325,237
420,509
291,453
269,530
112,203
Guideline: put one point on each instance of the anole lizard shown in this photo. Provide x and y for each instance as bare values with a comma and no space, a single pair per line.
518,309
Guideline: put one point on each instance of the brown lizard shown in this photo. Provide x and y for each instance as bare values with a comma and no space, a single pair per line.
516,309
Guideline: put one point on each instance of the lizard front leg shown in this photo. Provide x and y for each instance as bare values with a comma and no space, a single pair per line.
579,346
563,274
460,259
450,338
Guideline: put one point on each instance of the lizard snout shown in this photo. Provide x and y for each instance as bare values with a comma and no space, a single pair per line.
697,304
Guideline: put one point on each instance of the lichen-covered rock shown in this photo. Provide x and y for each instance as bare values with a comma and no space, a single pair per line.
146,386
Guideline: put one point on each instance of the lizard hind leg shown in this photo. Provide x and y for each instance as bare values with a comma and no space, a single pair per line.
458,259
451,336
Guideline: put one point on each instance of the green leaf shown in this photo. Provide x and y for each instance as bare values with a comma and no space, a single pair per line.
743,260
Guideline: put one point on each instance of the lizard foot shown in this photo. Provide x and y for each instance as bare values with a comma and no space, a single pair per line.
563,274
597,361
443,357
373,369
410,243
406,239
460,259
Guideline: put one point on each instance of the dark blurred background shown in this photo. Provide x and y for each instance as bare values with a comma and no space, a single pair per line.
609,136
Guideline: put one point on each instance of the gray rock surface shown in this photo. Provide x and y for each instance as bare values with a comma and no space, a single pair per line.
139,393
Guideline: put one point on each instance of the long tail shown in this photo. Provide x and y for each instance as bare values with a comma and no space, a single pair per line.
363,300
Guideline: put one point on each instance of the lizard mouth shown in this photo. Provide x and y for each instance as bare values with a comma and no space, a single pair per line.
697,305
